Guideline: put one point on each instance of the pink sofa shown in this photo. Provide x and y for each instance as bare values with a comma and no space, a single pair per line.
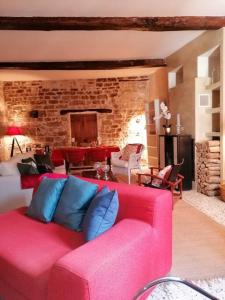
47,261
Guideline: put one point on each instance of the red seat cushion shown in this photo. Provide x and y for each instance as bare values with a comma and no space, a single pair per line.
27,258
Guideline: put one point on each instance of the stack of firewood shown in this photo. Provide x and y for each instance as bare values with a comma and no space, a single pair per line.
208,167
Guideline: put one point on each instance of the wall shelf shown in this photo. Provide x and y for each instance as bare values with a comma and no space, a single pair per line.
211,134
213,110
213,86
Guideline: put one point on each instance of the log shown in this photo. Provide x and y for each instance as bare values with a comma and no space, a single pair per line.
211,187
213,168
213,172
213,155
198,146
208,167
213,161
212,165
213,193
204,147
214,149
113,23
213,179
213,143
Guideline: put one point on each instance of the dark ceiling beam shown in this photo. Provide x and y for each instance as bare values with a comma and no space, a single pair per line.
113,23
83,65
99,110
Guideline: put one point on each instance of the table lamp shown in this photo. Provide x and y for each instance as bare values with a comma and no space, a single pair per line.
13,131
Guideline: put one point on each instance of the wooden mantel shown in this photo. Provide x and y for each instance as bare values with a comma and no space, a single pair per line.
113,23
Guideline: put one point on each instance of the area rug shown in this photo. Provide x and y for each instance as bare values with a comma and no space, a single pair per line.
211,206
178,291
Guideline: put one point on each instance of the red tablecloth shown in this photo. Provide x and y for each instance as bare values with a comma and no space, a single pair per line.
95,153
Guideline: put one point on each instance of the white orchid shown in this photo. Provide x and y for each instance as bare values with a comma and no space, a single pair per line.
165,113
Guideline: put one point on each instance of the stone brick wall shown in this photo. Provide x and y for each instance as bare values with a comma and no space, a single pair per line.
125,96
2,121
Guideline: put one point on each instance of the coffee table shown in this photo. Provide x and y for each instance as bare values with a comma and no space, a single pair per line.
92,174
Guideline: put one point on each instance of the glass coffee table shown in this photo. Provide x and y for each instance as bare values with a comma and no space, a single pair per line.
93,173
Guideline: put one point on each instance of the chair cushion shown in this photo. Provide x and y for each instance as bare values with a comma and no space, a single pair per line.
27,169
101,214
29,160
42,169
44,201
43,160
74,201
128,150
29,249
157,182
119,162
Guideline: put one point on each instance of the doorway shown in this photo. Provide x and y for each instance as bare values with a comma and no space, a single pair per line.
84,129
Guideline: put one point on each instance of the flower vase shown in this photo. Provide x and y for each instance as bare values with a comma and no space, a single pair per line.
167,129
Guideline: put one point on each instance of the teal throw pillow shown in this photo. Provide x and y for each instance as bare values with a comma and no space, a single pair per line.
101,214
44,201
74,201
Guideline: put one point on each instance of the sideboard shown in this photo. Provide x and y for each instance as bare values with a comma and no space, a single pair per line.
174,148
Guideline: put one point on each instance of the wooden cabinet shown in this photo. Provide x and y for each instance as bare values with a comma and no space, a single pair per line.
174,148
84,128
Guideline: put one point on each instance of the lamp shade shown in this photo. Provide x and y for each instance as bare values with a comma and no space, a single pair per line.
14,130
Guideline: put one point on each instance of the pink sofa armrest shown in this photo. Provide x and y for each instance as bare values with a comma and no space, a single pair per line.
113,266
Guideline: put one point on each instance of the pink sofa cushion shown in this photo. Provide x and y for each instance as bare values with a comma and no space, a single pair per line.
27,258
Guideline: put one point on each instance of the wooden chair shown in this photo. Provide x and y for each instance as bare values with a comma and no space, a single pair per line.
172,180
74,159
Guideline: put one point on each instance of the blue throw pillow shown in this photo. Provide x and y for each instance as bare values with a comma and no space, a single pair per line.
101,214
74,201
45,199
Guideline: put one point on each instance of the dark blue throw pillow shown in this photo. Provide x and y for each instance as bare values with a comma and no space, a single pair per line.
101,214
44,201
74,201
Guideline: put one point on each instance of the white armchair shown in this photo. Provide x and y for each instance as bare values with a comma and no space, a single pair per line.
123,163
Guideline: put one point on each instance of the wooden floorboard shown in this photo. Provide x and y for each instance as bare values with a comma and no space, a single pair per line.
198,244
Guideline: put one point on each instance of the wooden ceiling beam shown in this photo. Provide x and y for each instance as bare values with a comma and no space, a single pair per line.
113,23
83,65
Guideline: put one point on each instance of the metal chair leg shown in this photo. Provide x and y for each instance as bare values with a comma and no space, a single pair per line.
174,279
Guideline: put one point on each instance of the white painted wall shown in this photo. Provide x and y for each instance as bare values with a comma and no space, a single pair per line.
112,8
203,67
203,121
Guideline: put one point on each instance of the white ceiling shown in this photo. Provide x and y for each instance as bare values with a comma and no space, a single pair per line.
99,45
104,8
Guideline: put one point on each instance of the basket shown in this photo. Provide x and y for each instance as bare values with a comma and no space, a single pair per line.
222,191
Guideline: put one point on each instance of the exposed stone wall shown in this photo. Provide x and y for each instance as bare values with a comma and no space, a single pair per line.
2,121
125,96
